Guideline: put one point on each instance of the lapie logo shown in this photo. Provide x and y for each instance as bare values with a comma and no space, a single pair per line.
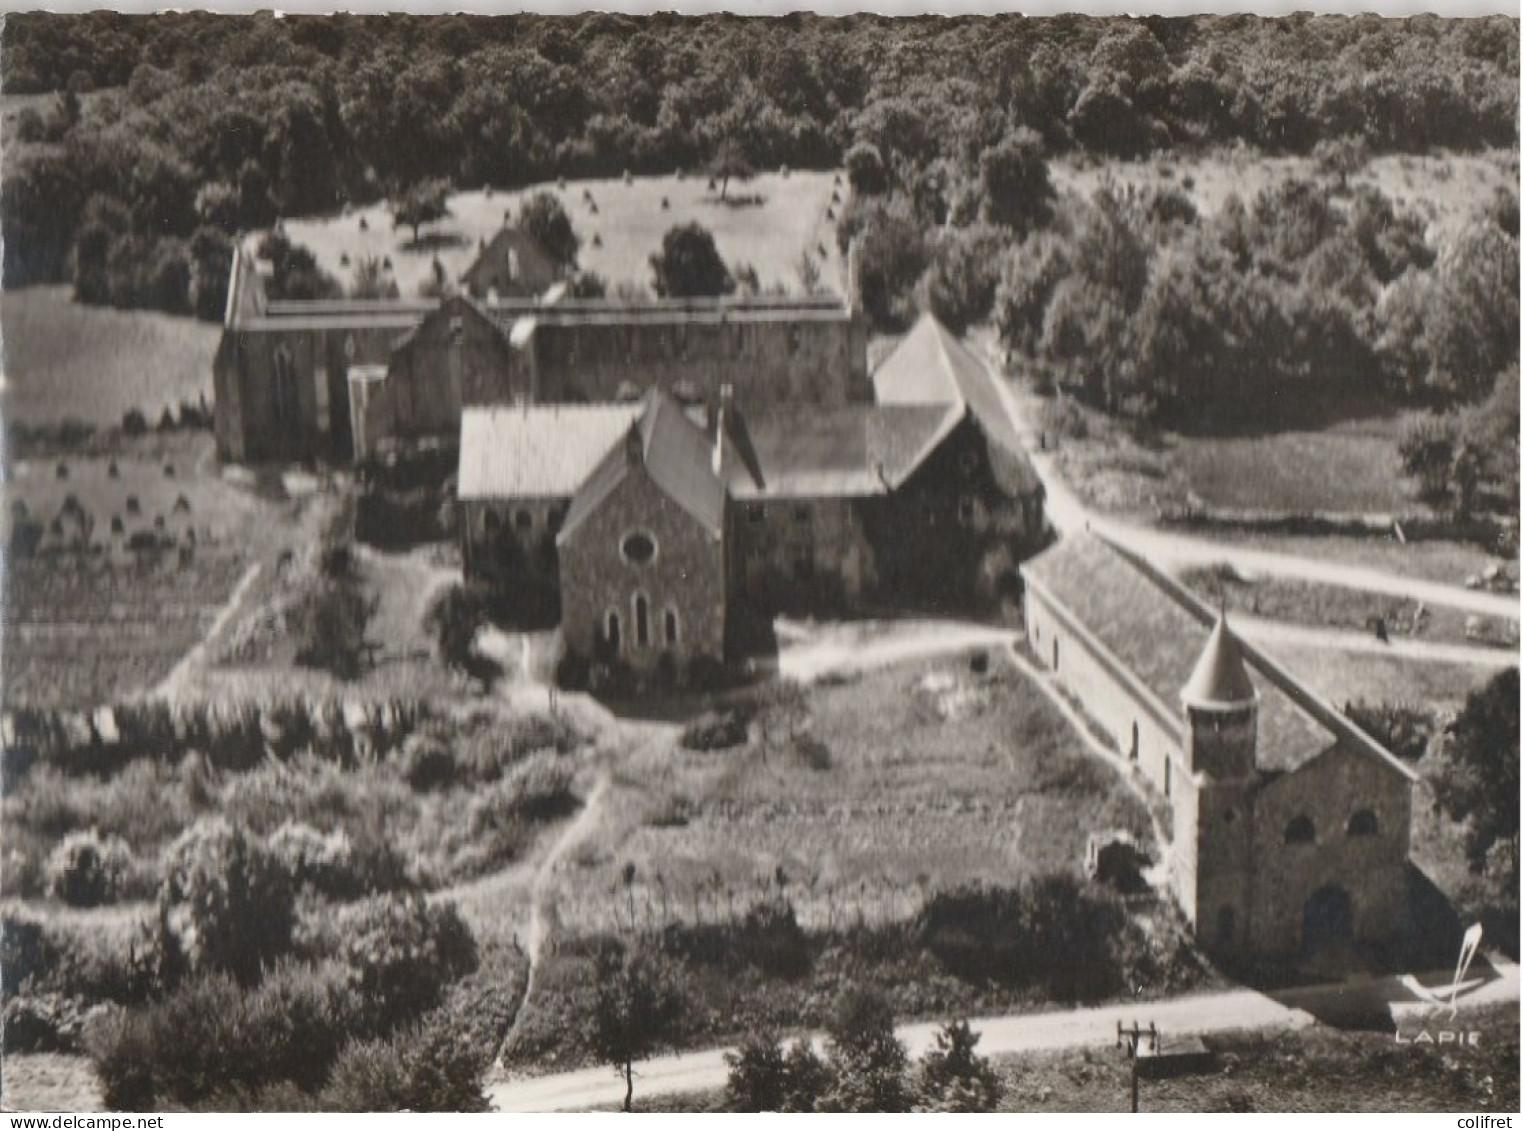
1446,1004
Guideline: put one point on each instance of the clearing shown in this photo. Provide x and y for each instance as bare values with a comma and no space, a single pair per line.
1444,188
768,222
64,361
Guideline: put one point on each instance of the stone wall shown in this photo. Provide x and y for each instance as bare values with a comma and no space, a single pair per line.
813,360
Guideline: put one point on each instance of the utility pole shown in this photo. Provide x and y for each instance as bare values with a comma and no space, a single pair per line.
1131,1040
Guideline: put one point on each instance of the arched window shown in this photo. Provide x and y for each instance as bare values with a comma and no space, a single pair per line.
642,621
1136,743
670,626
1363,823
1168,778
1300,830
613,632
1054,653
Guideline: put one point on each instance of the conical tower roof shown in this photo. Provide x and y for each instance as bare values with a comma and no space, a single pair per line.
1220,680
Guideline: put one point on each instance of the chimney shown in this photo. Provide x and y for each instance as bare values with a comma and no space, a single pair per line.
853,277
721,422
634,445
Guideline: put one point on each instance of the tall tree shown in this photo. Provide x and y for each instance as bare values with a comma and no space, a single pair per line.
421,203
1478,783
731,159
1014,183
637,1012
544,217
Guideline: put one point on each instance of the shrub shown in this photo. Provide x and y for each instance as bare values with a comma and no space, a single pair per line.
43,1022
86,870
403,952
323,862
758,1078
867,1060
423,1069
427,764
953,1077
211,1036
716,730
233,898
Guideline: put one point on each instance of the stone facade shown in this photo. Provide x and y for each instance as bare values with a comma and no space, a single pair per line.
669,610
285,373
769,355
1274,855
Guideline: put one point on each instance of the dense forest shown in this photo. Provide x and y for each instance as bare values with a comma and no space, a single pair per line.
158,138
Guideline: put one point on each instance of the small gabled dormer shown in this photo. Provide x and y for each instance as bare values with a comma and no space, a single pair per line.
1221,709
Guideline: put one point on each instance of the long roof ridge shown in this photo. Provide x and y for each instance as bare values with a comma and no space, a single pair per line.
1271,669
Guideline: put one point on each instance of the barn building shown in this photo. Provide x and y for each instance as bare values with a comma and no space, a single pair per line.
359,380
1291,826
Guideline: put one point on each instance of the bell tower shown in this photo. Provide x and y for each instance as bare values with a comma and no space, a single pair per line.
1221,710
1221,736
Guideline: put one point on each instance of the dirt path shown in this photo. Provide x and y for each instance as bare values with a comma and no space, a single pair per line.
1263,631
172,686
1067,512
542,914
1032,1032
845,648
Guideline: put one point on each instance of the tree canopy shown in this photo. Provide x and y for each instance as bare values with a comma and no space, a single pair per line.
688,265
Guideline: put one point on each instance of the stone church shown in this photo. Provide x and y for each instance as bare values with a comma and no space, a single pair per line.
1291,826
668,535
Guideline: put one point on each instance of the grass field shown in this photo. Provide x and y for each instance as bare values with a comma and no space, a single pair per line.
767,222
1350,468
1444,188
87,626
1449,562
920,777
66,361
1335,606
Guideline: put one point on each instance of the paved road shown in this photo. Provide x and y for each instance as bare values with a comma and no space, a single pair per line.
1031,1032
1067,511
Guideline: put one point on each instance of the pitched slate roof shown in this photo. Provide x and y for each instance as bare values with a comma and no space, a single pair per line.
675,452
853,450
1219,680
931,365
543,451
533,259
1159,639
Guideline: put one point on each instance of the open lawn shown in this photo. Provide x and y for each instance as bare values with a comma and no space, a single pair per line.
1350,466
92,364
767,222
901,781
1444,188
